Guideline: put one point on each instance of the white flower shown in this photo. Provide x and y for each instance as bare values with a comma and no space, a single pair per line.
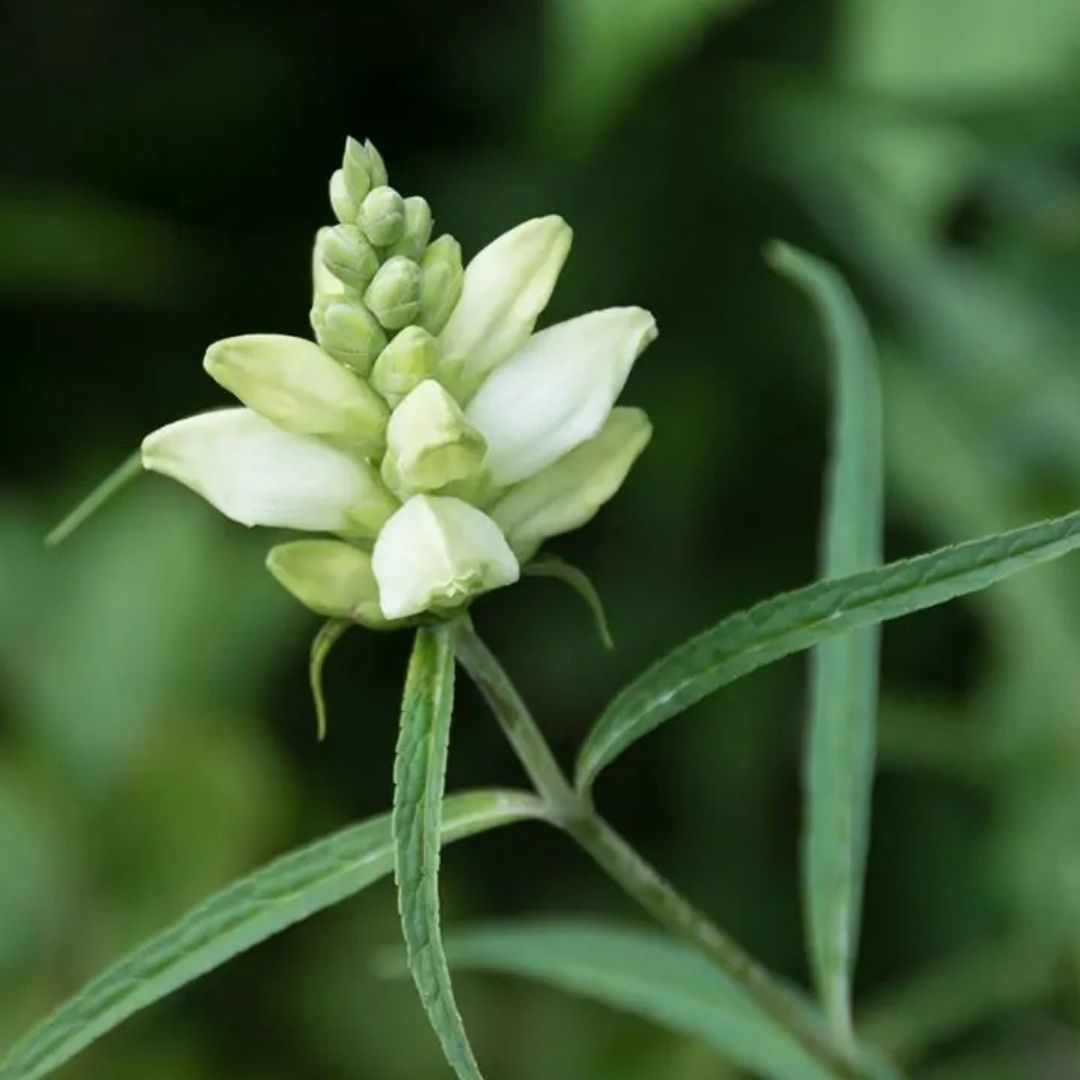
256,473
428,383
566,495
438,552
505,288
557,390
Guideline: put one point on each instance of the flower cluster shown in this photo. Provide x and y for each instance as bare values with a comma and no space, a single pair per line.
428,429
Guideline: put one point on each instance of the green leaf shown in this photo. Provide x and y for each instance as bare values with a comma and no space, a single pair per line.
645,973
551,566
119,478
419,775
328,636
798,620
251,910
840,751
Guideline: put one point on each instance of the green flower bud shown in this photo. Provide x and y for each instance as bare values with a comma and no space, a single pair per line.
330,577
430,443
418,224
409,359
294,383
349,257
344,208
568,493
376,165
356,172
382,216
440,284
393,296
371,510
348,332
323,284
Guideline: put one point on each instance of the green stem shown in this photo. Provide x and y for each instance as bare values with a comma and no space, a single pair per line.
574,814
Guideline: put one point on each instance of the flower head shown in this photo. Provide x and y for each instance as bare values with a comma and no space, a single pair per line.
429,429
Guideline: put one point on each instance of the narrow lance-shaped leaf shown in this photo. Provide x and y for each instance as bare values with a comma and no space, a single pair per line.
798,620
840,748
650,975
419,775
249,911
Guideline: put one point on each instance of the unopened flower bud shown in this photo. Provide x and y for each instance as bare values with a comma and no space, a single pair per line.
330,577
410,358
349,257
430,443
344,208
440,284
393,296
376,165
356,172
437,553
417,233
323,283
382,216
295,384
348,332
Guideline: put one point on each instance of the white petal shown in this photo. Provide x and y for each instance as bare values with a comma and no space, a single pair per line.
437,552
505,288
557,390
567,494
257,474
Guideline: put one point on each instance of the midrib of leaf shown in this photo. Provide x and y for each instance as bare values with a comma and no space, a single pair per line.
249,911
419,775
800,619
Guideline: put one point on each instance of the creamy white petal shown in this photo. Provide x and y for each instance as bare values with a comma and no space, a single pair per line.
568,493
506,287
438,552
557,390
257,474
292,382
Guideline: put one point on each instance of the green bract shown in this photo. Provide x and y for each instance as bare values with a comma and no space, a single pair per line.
427,429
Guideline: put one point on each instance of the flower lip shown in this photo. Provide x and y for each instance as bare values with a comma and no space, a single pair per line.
436,553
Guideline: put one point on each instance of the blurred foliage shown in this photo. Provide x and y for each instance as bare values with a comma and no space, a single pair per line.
163,172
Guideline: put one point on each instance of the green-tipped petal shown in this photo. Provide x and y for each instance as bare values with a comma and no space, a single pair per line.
436,553
504,290
430,443
330,577
356,173
323,283
566,495
295,384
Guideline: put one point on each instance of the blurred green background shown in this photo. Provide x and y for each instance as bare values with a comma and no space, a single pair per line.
162,173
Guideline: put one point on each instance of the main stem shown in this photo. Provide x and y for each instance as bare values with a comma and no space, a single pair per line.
572,812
